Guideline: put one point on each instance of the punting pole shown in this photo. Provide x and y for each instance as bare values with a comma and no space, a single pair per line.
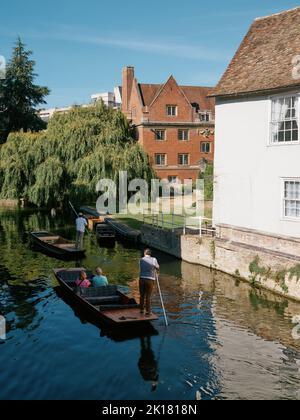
162,301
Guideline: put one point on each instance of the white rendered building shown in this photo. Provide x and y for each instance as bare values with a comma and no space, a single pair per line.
257,156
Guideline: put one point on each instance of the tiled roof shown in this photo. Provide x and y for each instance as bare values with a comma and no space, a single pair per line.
263,63
195,94
199,95
148,92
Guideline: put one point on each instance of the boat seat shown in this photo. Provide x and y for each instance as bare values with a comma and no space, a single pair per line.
103,291
49,239
103,299
66,246
116,307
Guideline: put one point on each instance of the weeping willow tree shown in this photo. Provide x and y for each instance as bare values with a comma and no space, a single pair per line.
79,148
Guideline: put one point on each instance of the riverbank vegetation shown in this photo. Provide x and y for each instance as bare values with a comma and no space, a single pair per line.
67,161
208,177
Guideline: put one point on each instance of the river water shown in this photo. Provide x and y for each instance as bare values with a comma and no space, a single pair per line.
226,340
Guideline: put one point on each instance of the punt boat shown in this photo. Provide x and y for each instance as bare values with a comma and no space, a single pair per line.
105,303
56,245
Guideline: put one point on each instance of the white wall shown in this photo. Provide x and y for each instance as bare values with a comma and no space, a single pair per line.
249,172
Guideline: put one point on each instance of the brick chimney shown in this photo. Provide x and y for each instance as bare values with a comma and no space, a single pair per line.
127,82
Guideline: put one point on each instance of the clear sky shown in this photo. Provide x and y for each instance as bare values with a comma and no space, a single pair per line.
81,46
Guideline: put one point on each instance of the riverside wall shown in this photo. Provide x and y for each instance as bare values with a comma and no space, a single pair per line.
247,255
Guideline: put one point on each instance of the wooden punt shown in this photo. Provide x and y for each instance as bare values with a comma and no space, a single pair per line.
105,233
93,217
56,245
124,231
113,332
90,211
105,303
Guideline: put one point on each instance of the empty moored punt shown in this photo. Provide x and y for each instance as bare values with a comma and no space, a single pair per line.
105,233
90,211
124,231
106,302
56,245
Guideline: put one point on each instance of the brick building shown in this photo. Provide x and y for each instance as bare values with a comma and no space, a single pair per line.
175,124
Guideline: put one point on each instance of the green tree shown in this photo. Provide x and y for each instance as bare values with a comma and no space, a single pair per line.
67,161
208,177
19,96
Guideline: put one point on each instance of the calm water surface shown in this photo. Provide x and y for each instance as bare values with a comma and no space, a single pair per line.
225,340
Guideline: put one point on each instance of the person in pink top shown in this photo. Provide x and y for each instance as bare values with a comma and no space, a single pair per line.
83,281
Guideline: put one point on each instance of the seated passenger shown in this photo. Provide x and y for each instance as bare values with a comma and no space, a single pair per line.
83,281
99,280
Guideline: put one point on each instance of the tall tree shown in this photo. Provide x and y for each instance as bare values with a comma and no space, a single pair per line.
19,95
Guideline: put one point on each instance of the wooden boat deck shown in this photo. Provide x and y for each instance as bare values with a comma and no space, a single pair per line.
125,316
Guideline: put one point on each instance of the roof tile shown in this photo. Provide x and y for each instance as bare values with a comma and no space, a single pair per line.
263,61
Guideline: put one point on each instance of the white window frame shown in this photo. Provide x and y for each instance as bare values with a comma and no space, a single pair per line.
163,131
184,154
283,200
161,154
270,139
183,130
176,111
205,116
210,147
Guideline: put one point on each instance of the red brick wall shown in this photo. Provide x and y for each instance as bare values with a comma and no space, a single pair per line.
172,147
127,82
171,94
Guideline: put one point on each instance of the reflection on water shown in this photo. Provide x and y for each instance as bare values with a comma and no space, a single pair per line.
225,340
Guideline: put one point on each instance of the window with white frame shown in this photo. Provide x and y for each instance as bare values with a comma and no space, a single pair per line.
183,159
160,135
205,147
183,135
205,116
292,199
285,120
160,159
172,110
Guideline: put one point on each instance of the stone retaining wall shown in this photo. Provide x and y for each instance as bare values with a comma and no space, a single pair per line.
262,264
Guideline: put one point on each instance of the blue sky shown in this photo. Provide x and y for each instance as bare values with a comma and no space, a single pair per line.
81,47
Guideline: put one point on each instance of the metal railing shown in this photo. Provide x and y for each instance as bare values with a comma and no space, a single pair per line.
201,226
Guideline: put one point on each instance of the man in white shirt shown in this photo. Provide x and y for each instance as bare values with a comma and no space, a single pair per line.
81,225
148,272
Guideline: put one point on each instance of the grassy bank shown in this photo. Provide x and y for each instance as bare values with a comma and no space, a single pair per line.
136,221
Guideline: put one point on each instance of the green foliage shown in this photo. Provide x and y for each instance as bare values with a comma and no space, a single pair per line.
208,178
78,149
19,96
260,273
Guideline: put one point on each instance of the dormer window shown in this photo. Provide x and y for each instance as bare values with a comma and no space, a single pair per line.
172,110
196,106
204,116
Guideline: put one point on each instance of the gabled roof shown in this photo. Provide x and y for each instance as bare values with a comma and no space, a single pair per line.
263,62
194,94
